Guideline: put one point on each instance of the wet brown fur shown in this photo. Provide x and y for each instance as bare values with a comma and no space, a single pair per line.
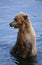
26,39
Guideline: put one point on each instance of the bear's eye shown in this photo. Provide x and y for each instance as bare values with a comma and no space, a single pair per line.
16,20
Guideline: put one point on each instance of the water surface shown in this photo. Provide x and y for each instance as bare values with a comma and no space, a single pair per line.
8,9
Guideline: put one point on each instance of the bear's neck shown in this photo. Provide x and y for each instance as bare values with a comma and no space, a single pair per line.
26,27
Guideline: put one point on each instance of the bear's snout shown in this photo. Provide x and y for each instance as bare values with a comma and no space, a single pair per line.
10,24
13,24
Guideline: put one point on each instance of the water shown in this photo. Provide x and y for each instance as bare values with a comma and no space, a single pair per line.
8,35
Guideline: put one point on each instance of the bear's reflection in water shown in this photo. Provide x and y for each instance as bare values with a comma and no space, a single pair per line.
27,61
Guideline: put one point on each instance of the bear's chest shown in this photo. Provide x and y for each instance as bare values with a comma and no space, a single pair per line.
28,37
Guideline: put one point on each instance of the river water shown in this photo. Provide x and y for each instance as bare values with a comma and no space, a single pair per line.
8,35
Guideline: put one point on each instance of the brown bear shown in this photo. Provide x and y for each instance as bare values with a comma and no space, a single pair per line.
26,39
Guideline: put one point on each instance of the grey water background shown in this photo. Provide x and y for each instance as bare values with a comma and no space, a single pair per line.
8,35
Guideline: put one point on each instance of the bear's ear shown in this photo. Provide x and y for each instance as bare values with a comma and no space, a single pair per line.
25,16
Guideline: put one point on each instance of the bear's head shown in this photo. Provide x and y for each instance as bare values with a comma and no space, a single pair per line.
19,20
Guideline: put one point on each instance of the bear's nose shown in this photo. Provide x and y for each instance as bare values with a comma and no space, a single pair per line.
10,24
